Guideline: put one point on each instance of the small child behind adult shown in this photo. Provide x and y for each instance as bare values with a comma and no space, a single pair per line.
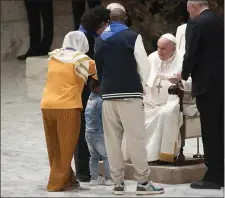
94,136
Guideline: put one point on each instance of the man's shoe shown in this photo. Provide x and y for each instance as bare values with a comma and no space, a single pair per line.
23,57
148,189
205,185
31,54
119,189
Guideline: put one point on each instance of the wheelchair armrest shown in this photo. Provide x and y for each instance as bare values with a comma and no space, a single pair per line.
176,90
179,91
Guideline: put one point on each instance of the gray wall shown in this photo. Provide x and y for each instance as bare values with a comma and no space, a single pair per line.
14,26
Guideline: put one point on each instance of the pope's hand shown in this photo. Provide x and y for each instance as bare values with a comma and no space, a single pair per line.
174,80
179,76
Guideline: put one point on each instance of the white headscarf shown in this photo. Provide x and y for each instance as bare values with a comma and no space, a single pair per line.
73,50
169,37
76,40
112,6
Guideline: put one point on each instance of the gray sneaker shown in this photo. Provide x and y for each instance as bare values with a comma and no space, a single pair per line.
119,189
97,182
148,189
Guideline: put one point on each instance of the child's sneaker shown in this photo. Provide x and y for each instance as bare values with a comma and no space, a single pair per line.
108,182
148,189
119,189
97,182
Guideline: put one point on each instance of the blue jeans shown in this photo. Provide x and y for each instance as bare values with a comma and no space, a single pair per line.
96,146
95,137
93,114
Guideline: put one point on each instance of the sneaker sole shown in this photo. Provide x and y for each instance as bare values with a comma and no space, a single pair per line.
108,184
149,192
118,193
96,184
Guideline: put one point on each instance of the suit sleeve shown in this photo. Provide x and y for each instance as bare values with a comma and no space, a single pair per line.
193,36
99,60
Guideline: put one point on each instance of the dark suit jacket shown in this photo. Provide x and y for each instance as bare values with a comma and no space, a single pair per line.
204,57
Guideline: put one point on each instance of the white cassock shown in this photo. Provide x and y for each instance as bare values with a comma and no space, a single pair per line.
163,118
180,38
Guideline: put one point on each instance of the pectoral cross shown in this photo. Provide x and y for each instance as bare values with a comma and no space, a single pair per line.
159,86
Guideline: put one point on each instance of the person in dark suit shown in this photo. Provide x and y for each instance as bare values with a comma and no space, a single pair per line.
39,45
92,24
78,7
204,61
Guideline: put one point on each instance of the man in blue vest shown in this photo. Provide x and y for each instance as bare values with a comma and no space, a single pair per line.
122,66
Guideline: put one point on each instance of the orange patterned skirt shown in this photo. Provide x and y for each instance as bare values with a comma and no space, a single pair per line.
62,128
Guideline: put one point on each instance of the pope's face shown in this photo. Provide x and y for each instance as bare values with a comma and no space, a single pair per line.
165,49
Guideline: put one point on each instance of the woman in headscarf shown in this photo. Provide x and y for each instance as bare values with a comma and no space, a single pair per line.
68,71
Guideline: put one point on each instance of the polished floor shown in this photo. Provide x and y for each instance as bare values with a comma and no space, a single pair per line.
24,162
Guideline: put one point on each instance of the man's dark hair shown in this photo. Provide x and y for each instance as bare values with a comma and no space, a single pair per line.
93,19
